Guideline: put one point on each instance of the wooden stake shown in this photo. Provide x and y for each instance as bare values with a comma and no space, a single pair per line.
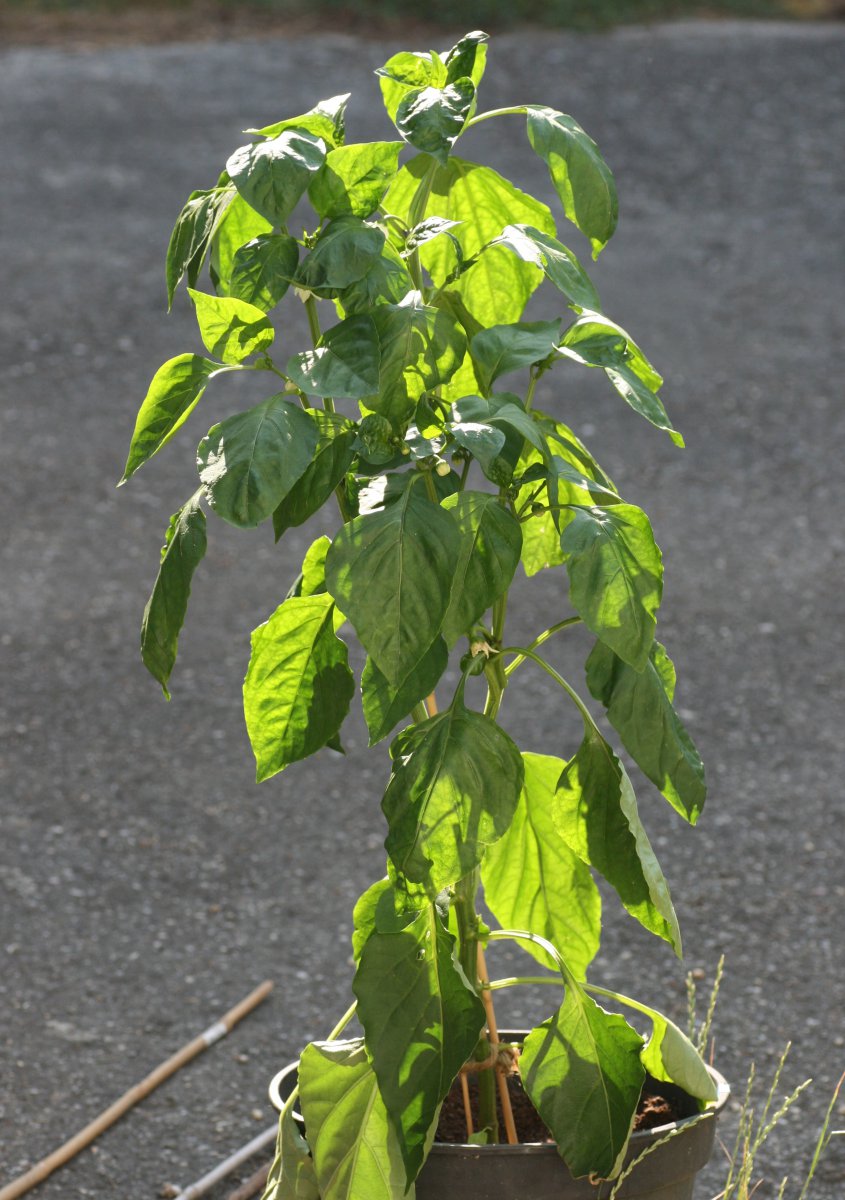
71,1148
467,1106
252,1186
431,705
492,1029
230,1164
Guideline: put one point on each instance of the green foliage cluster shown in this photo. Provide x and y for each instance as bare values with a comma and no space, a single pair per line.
444,482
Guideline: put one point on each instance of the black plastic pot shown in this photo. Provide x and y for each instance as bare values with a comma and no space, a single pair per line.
535,1170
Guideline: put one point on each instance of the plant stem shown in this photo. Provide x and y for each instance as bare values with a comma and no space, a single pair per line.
525,652
415,214
543,637
518,980
518,111
316,334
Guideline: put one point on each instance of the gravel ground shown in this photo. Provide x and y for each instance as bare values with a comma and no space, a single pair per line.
146,882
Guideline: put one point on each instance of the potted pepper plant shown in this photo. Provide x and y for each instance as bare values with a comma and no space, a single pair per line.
411,412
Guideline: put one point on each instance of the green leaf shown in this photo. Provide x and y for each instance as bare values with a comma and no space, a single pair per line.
192,235
331,461
558,262
292,1175
354,178
345,251
421,1023
491,541
484,442
354,1145
420,347
391,573
532,880
263,268
164,615
231,329
406,71
670,1055
250,462
503,348
596,815
639,707
314,567
452,793
615,576
432,118
578,171
385,704
540,544
240,225
172,396
346,363
596,341
467,57
583,1074
383,908
387,282
298,685
271,176
326,120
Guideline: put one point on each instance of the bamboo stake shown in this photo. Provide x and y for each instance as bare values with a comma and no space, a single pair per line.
492,1029
250,1187
229,1165
71,1148
431,705
467,1105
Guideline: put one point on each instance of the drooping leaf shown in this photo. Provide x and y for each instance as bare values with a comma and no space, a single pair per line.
331,461
272,175
386,704
240,225
173,394
596,815
532,880
615,576
344,252
558,262
583,1074
164,614
263,269
421,1023
432,118
298,685
578,171
453,791
503,348
384,908
491,542
192,235
353,1142
639,707
250,462
230,328
670,1055
314,567
326,120
292,1175
353,179
391,573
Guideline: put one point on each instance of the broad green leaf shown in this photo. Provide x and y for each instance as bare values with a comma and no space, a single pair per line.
484,442
192,234
346,363
424,232
407,71
240,224
271,176
639,707
420,347
391,573
670,1055
353,1142
231,329
331,461
467,57
558,262
579,173
164,615
615,576
250,462
263,269
298,685
503,411
345,251
503,348
172,396
292,1175
326,120
421,1023
452,793
387,282
532,880
565,444
432,118
540,544
314,567
596,815
583,1074
572,486
491,541
383,908
386,704
354,178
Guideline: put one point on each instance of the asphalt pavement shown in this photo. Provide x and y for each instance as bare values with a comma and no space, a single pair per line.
146,882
